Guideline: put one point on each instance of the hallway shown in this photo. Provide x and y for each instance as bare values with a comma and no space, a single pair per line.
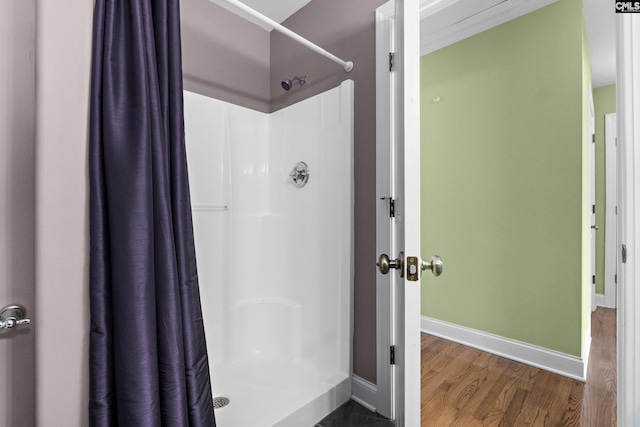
463,386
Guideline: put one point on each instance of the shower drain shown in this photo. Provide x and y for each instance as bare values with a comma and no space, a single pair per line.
220,402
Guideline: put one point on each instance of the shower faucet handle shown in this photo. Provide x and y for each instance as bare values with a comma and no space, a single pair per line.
12,316
300,174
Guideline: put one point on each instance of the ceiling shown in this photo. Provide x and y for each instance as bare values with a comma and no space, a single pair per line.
599,22
278,10
599,17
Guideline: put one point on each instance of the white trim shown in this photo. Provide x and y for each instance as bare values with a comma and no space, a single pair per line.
384,18
469,26
549,360
586,351
364,392
628,109
611,220
388,9
591,247
600,300
431,7
407,304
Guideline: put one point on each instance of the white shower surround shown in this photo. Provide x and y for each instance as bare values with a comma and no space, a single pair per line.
274,261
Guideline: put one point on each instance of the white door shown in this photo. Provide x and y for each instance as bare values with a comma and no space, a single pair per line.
592,200
593,235
611,211
17,222
399,214
628,133
386,196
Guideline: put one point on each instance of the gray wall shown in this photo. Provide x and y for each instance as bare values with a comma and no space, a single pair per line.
62,250
224,56
17,142
346,29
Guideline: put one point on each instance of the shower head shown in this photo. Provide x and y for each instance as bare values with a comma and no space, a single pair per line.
288,84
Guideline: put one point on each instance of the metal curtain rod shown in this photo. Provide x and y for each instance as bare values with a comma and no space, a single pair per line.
348,65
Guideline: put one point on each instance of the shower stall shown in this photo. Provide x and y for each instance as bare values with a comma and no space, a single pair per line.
272,206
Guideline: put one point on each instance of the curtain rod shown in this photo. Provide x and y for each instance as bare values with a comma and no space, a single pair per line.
348,65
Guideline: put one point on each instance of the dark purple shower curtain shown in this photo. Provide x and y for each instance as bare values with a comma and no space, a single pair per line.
148,356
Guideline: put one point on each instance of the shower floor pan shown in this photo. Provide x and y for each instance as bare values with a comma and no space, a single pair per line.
269,392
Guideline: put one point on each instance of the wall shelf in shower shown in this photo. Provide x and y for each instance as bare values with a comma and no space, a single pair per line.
210,208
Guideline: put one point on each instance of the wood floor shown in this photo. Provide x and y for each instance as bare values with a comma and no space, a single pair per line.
462,386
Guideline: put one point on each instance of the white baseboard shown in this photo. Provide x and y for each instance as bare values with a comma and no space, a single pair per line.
586,350
364,392
550,360
600,301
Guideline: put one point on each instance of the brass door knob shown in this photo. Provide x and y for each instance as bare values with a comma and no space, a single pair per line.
434,264
385,264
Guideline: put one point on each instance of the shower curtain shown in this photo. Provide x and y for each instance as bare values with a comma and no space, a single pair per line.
148,356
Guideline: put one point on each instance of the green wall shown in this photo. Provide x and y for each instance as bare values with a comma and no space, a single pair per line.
604,100
502,179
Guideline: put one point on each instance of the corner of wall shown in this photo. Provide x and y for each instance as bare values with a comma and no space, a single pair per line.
347,30
63,57
224,56
538,198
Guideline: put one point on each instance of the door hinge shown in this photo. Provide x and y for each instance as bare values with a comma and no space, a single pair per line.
616,210
392,355
391,56
593,279
593,208
392,206
615,279
593,138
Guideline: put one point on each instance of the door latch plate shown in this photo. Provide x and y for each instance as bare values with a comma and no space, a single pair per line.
413,269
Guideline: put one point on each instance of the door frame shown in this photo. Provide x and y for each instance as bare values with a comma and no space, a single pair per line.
611,201
628,312
407,304
628,300
593,230
398,154
385,321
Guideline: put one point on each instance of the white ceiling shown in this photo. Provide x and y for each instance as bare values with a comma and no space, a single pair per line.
444,22
278,10
599,17
599,21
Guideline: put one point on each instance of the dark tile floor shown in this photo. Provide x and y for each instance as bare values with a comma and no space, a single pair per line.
352,414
